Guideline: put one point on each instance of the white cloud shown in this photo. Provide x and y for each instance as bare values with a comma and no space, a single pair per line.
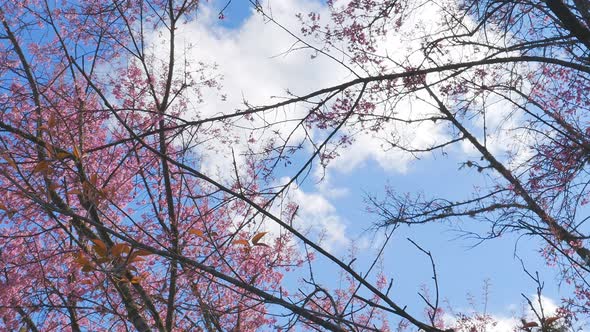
255,68
376,146
316,217
497,324
500,322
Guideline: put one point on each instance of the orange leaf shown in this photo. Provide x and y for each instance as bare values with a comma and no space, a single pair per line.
257,237
137,279
75,192
87,268
529,325
102,260
196,232
99,243
53,186
42,166
62,155
93,179
9,212
50,150
100,248
136,259
77,153
51,121
141,252
551,320
9,160
120,248
244,242
81,259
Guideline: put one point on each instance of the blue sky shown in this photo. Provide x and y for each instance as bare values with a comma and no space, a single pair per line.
246,49
234,12
462,268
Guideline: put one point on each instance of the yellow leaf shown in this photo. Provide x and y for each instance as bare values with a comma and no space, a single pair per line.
257,237
244,242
